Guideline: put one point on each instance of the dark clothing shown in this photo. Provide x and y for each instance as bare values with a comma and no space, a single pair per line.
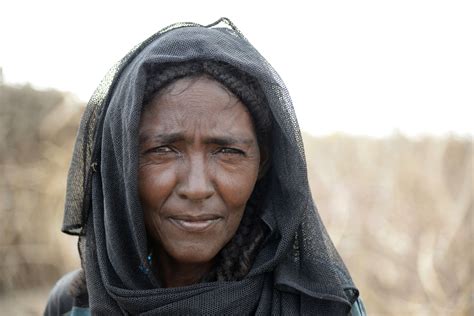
60,302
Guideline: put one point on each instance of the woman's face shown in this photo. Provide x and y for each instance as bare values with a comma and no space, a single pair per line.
199,161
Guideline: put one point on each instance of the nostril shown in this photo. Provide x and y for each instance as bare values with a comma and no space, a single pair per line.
195,193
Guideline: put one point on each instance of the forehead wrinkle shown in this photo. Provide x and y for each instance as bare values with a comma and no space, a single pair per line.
192,80
189,82
191,117
228,140
174,92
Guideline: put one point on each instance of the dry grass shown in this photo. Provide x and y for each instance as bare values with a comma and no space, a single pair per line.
37,129
399,210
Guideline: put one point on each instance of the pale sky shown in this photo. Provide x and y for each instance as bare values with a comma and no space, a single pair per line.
358,67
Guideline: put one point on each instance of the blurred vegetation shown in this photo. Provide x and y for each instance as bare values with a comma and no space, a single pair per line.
401,214
37,130
399,210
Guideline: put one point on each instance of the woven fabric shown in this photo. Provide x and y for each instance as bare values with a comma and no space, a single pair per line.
297,270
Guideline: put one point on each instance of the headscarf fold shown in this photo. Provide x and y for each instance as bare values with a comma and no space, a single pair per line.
297,270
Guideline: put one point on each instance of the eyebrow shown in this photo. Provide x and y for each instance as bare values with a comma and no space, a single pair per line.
227,141
169,138
162,138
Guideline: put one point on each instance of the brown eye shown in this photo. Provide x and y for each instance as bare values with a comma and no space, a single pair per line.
161,150
230,151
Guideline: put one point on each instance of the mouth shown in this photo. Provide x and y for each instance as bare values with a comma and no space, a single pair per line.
195,223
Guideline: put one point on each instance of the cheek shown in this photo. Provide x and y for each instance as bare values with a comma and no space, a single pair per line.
155,184
236,186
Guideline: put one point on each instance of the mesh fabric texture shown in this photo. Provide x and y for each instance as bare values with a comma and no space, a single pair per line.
297,271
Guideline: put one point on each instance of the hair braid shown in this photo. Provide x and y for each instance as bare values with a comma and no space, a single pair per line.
237,257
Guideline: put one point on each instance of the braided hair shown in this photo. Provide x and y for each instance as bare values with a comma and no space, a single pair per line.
236,258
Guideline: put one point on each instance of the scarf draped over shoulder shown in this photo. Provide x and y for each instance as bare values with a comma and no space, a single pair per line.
297,270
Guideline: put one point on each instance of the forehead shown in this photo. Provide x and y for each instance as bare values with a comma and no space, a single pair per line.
192,104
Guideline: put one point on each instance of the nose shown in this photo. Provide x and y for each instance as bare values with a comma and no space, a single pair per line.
195,180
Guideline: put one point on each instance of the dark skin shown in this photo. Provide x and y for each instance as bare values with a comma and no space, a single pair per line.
199,161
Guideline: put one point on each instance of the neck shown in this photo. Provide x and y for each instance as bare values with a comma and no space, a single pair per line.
172,273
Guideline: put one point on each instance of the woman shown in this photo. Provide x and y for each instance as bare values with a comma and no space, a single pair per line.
188,189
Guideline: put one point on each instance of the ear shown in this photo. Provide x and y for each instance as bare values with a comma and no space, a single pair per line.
264,163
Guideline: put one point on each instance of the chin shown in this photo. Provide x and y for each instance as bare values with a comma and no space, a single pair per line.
194,254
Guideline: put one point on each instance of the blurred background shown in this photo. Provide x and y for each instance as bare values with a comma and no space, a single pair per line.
383,93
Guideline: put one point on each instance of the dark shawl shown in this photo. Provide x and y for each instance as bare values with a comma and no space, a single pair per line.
297,271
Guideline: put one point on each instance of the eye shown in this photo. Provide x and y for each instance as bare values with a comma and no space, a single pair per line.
161,150
230,151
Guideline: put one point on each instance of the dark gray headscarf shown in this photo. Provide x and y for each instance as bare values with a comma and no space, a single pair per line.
297,271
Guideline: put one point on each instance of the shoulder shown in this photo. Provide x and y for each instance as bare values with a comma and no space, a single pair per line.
358,308
60,300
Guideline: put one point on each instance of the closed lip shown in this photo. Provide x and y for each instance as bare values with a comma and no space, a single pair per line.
195,223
